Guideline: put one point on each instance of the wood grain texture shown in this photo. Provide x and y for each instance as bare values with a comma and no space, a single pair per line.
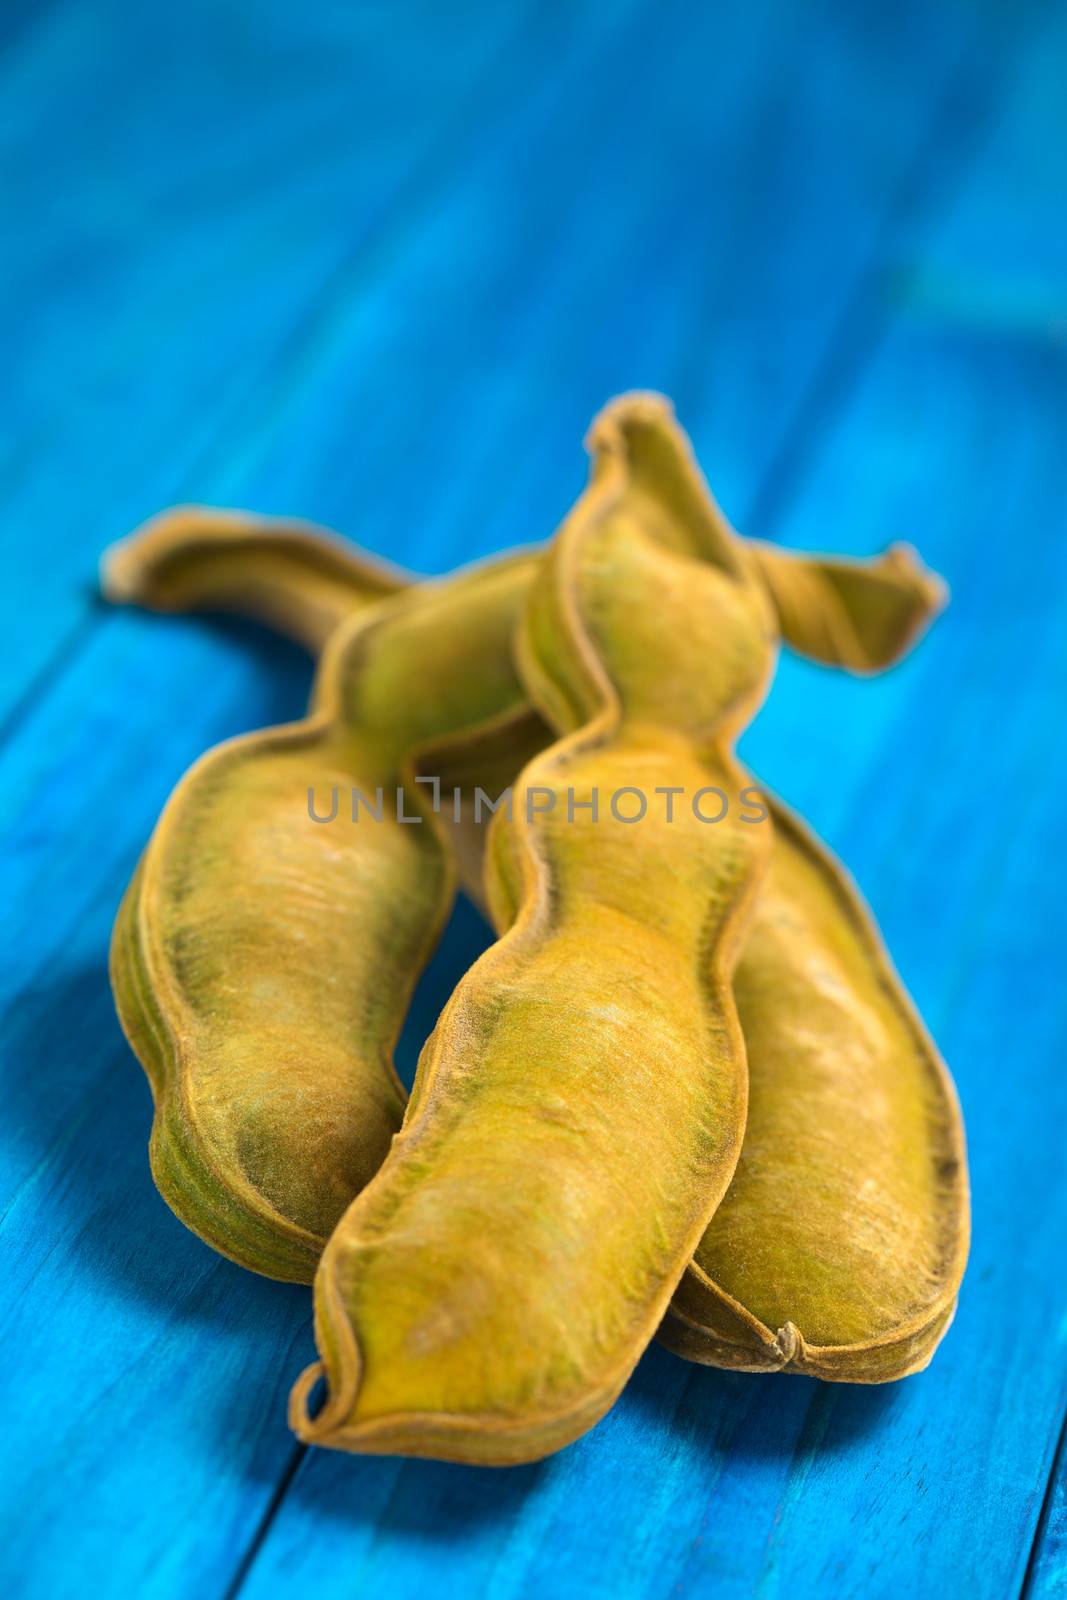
378,265
1046,1576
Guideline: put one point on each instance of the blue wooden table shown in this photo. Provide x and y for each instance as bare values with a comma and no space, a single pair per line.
378,264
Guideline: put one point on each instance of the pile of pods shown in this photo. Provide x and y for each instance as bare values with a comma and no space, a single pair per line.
684,1094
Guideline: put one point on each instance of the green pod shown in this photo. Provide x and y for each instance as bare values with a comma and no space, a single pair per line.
859,615
262,962
840,1246
299,578
579,1109
841,1243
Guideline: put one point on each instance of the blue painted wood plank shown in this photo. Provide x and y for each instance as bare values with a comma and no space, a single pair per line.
214,182
93,761
412,285
581,252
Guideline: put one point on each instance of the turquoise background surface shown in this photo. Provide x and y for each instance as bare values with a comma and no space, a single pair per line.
378,265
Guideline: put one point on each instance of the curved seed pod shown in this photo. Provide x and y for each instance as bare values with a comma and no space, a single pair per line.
578,1111
840,1246
861,615
299,578
247,959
